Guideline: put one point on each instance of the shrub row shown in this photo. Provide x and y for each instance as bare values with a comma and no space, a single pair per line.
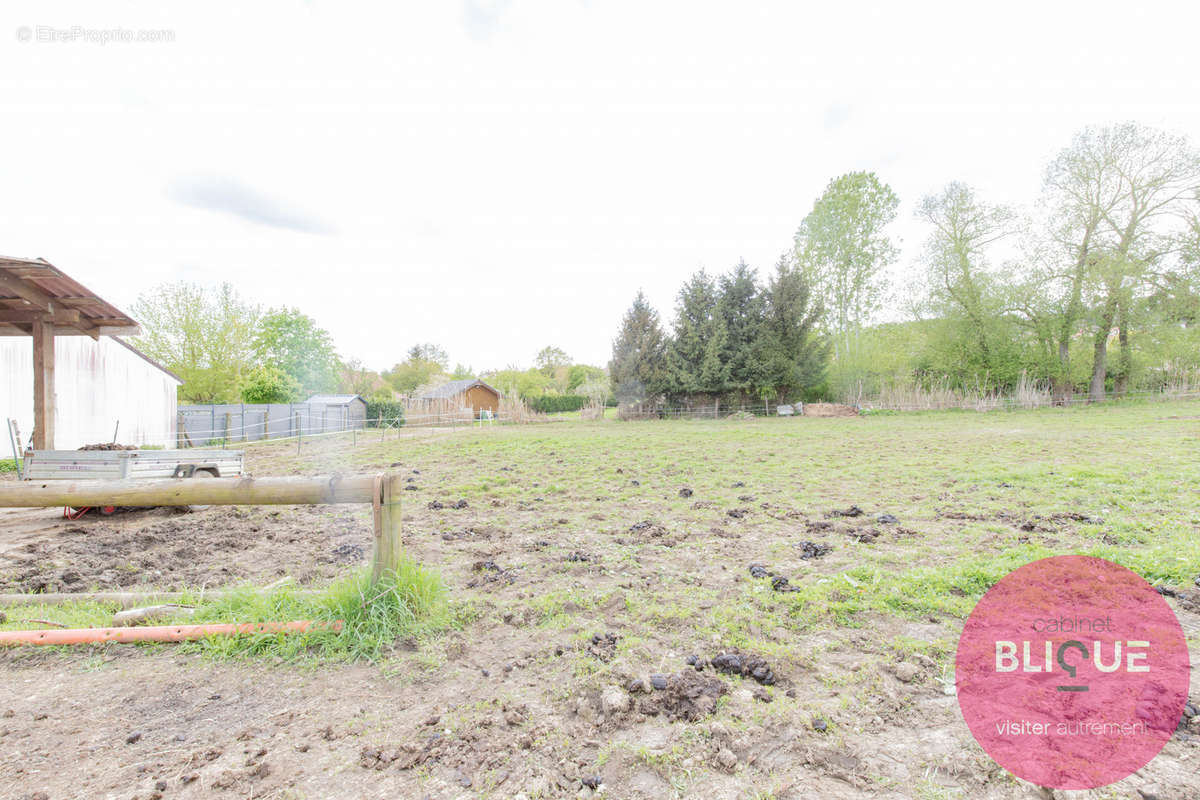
556,403
389,409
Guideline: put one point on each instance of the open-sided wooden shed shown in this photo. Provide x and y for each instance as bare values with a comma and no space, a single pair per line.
39,300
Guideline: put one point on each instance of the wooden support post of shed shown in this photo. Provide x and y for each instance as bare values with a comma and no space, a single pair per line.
389,542
43,385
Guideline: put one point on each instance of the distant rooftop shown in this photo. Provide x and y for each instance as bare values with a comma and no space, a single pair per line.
333,399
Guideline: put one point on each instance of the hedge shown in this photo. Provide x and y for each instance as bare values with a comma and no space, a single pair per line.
388,409
556,403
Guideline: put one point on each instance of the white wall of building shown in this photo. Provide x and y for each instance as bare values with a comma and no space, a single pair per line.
97,384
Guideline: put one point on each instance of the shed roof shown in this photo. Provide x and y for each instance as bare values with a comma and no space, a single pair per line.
454,388
33,289
333,399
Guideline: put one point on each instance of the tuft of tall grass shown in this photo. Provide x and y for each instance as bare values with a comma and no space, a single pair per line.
410,602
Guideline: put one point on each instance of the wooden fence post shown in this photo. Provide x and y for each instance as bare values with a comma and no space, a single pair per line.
389,542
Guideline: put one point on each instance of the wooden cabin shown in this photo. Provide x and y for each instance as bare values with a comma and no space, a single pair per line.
469,393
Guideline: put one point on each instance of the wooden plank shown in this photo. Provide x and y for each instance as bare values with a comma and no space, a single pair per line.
43,385
184,492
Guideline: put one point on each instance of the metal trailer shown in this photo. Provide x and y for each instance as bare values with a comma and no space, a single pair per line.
52,465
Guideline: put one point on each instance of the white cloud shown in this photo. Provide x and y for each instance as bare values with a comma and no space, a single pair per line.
500,176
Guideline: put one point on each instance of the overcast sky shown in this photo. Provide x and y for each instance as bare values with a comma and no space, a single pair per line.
498,176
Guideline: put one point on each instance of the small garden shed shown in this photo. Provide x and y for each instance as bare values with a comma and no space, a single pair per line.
338,411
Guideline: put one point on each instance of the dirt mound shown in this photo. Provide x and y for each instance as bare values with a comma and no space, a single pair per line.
687,695
734,662
109,446
829,410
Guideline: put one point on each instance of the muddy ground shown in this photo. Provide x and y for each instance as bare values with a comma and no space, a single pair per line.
577,675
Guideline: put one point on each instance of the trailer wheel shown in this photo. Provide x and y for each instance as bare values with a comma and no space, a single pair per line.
107,511
202,473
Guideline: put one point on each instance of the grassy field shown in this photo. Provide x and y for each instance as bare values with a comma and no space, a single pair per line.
589,556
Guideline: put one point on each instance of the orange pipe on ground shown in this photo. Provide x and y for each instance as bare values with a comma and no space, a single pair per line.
159,633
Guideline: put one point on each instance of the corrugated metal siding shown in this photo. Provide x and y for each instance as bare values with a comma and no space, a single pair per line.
96,383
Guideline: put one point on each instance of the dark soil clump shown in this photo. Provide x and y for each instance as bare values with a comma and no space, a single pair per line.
648,528
687,695
747,665
491,572
814,550
852,511
603,646
780,584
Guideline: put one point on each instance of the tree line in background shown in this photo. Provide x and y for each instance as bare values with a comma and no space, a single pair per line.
733,339
228,350
1094,289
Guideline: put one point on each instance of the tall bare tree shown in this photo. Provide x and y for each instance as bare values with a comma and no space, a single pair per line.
842,247
956,256
1119,195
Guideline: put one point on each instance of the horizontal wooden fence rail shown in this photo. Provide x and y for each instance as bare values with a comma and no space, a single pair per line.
382,491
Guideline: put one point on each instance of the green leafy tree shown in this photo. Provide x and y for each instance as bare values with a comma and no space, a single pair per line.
201,334
430,352
524,383
963,289
638,365
461,372
551,359
1128,191
294,343
414,373
579,374
354,378
270,385
843,248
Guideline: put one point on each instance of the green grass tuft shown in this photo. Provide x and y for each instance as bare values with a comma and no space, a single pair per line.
408,603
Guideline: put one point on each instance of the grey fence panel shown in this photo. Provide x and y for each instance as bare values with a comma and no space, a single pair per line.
230,423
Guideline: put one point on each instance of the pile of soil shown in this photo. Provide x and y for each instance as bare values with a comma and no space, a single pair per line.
685,695
109,446
829,410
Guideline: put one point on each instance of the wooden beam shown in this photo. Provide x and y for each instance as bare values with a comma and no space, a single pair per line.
61,317
26,292
389,544
184,492
43,385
